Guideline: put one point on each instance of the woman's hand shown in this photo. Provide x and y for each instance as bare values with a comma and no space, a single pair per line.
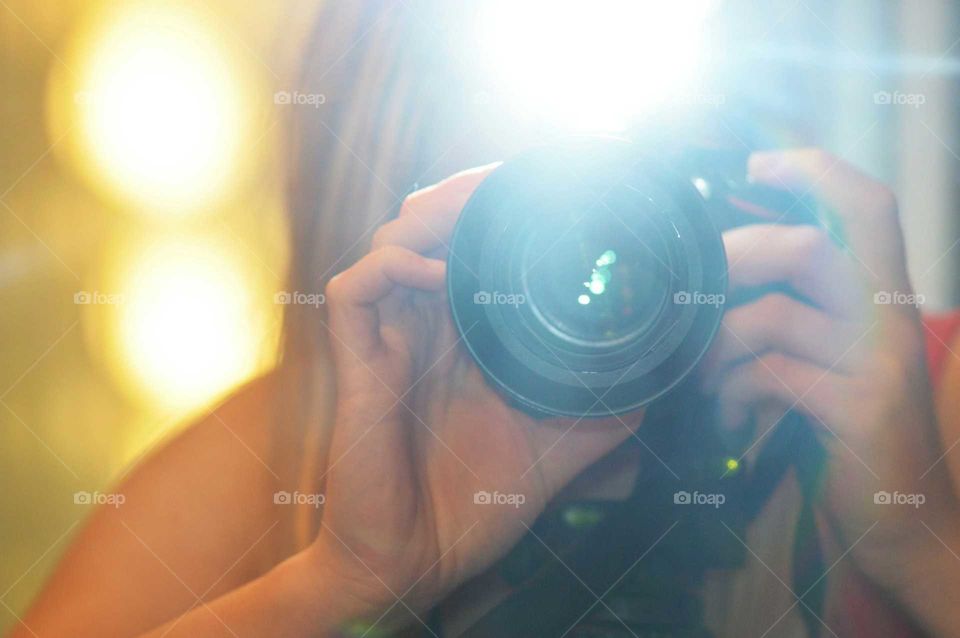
852,358
418,433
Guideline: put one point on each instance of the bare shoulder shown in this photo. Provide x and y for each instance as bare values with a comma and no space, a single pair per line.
198,519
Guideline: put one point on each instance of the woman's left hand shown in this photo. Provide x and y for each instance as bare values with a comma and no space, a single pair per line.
851,357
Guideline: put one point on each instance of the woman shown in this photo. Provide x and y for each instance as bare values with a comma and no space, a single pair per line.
378,409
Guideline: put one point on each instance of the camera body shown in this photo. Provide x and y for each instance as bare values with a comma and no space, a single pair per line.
588,277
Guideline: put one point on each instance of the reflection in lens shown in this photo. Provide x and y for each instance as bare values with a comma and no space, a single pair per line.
600,276
601,280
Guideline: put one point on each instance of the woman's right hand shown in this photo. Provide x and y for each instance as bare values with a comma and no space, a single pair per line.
418,432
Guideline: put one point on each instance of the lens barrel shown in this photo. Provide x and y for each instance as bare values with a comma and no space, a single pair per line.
586,278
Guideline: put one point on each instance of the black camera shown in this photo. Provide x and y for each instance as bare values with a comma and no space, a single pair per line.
588,277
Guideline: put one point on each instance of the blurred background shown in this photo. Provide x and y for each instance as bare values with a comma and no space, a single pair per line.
142,228
142,239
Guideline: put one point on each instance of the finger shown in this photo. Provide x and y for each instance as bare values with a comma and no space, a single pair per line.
370,381
785,381
779,323
427,217
376,274
352,295
453,191
804,257
420,234
866,210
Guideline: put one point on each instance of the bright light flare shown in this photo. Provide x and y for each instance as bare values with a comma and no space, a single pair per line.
191,325
592,66
159,107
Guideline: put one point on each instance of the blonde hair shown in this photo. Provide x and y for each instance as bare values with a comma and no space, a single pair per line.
393,116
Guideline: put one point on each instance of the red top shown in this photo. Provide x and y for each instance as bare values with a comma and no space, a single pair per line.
940,331
868,611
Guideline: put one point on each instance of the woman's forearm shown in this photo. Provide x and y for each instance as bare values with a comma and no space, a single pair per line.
928,584
286,602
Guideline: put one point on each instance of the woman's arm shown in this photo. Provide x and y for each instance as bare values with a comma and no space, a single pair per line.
197,517
294,599
841,352
933,574
929,581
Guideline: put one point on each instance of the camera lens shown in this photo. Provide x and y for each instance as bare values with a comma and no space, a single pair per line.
570,273
598,276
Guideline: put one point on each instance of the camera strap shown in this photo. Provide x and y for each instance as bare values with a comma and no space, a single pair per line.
636,567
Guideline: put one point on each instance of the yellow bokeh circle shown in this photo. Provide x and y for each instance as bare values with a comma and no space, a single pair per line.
161,106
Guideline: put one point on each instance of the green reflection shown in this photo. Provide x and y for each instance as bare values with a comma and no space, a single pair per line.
600,276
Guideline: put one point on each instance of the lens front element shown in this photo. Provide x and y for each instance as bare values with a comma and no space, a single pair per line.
597,277
569,272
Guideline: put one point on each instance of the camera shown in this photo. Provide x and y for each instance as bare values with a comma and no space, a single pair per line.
609,256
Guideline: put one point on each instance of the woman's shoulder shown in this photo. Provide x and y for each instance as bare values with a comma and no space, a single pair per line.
197,506
245,416
217,474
